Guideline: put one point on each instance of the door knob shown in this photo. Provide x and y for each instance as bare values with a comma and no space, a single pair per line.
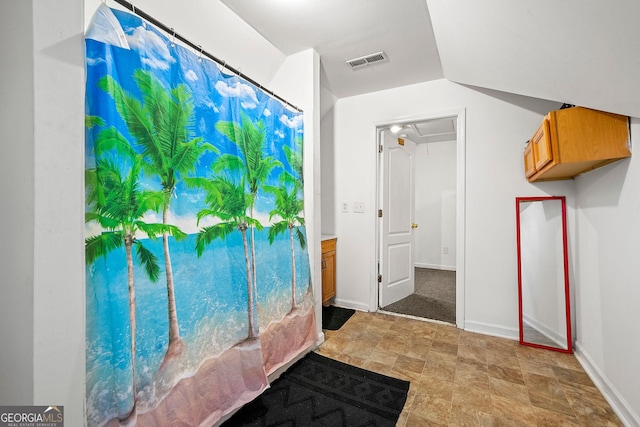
414,225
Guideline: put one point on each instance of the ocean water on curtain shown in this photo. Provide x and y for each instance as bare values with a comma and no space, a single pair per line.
211,304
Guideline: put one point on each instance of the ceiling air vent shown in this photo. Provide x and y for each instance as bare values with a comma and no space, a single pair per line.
366,60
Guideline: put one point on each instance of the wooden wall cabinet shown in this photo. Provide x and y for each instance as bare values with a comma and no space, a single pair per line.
328,270
575,140
529,164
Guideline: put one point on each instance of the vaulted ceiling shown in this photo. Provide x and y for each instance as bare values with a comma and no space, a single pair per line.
583,52
340,30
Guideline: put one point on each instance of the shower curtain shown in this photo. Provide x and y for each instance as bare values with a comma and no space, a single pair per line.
198,283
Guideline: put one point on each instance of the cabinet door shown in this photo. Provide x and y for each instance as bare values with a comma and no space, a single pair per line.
529,163
541,145
328,276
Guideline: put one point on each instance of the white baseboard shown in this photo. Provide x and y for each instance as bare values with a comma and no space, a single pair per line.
619,405
493,330
320,340
355,305
435,266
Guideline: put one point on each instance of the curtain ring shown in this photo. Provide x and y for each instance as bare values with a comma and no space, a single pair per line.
133,7
173,37
200,56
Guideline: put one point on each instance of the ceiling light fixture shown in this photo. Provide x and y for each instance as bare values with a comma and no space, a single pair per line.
395,128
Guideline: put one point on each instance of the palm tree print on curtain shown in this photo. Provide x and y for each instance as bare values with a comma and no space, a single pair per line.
250,139
118,204
288,208
189,292
294,158
228,202
162,126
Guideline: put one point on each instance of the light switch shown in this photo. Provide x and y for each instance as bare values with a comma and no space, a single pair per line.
345,207
358,207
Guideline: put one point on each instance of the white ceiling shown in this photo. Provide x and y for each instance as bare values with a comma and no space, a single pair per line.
427,131
583,52
340,30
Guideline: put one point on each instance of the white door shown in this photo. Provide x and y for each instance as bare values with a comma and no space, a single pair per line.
396,252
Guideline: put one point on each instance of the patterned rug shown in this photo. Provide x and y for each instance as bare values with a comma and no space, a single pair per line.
318,391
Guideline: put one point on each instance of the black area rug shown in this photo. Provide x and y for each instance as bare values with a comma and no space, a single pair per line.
318,391
428,308
334,317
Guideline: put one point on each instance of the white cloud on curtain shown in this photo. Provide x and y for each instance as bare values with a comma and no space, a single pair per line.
198,278
245,93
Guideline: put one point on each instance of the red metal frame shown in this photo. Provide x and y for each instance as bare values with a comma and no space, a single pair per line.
567,295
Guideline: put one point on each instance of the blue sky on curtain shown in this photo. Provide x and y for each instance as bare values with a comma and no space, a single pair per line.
198,279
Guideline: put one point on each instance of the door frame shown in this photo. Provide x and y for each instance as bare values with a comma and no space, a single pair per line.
460,115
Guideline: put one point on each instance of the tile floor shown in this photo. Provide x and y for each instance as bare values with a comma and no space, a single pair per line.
460,378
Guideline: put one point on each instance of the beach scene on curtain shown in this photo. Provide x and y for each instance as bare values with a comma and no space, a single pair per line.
198,283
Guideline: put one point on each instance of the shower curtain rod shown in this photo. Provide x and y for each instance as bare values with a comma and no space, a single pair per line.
174,34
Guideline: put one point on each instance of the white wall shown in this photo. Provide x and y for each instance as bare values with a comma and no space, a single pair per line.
435,211
607,273
327,178
17,207
497,125
59,359
42,167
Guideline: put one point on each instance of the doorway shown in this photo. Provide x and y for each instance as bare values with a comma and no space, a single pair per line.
436,259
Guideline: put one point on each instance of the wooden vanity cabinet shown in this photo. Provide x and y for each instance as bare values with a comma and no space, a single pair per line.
575,140
328,270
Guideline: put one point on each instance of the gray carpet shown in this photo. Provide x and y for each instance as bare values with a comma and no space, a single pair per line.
434,297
